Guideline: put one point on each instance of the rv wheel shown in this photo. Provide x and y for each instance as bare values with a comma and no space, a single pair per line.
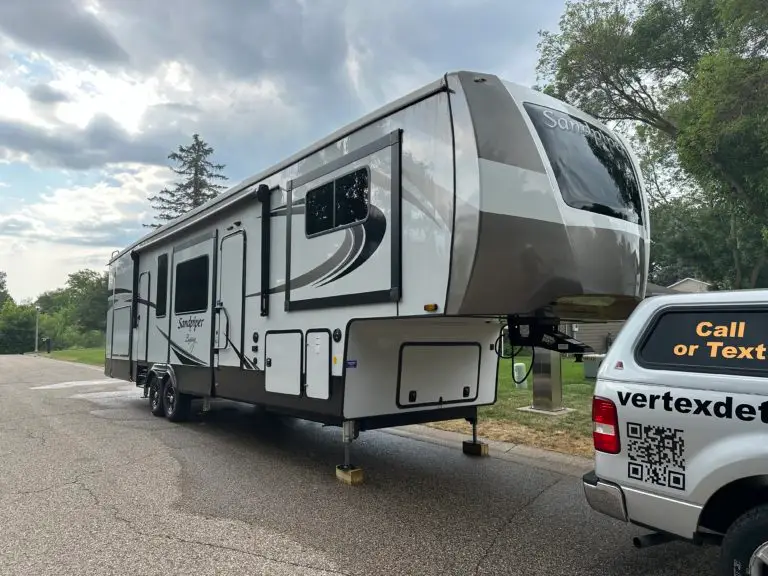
176,405
155,396
744,550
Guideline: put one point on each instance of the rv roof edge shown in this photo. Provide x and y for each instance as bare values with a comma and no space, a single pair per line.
230,196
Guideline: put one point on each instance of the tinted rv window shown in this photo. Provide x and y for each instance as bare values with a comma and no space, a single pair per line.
191,286
351,198
162,285
716,340
593,169
338,203
319,203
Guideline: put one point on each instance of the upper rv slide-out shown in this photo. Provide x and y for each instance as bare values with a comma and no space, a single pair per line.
359,282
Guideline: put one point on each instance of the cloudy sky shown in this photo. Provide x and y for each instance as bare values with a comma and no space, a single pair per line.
94,94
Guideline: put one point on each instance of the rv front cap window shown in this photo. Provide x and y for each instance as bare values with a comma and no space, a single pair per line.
593,169
340,202
723,341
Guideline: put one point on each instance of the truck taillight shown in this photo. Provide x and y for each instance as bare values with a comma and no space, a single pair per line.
605,426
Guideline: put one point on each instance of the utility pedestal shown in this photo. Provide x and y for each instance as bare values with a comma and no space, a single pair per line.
547,383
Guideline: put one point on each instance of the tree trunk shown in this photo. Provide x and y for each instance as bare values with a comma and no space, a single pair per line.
756,269
735,251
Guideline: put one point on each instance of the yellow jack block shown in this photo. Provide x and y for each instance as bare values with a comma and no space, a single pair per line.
474,448
350,476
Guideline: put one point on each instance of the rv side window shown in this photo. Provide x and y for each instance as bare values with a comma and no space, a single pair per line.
338,203
717,340
319,204
191,282
593,169
162,285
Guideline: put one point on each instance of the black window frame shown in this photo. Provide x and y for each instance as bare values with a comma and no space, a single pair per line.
568,198
367,169
161,298
178,285
655,319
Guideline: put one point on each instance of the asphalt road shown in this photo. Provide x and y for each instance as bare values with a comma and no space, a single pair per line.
92,483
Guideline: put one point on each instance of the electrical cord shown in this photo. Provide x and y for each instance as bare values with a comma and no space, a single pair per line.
498,347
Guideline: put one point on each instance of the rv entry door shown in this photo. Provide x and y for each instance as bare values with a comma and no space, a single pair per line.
228,335
142,318
192,323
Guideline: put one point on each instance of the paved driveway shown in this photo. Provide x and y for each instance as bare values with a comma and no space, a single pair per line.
92,483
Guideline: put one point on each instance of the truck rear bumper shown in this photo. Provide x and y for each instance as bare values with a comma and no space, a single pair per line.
604,497
652,511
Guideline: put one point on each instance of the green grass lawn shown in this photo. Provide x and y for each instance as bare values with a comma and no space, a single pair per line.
94,356
570,433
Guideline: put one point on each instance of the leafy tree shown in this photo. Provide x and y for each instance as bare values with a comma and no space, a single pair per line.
17,328
88,295
52,301
197,185
723,127
4,295
688,77
694,236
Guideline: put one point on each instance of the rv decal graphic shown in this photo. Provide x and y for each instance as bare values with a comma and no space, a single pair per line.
375,228
359,245
240,355
192,324
184,356
190,341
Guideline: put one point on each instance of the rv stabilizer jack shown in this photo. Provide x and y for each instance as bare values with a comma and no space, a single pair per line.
347,472
474,447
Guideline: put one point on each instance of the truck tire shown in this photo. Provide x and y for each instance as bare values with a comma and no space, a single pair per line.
744,539
176,405
155,396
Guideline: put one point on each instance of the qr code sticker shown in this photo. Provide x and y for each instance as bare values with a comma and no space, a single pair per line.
656,455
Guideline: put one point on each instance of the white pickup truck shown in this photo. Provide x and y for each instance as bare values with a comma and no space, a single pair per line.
680,417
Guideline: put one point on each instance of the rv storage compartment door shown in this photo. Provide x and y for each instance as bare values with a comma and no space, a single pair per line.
318,357
434,373
283,363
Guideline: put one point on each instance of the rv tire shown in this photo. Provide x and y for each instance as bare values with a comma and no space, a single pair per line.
745,543
176,405
155,396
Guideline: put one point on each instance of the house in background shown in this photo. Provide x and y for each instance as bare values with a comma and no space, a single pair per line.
690,285
599,335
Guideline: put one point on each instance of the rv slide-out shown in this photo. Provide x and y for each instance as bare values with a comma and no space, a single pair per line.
361,281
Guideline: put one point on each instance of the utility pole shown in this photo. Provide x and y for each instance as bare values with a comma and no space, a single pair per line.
37,327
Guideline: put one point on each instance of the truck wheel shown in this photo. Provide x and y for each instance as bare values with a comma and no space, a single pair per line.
176,405
744,550
155,396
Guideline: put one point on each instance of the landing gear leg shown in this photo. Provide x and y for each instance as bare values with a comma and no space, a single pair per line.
473,447
347,472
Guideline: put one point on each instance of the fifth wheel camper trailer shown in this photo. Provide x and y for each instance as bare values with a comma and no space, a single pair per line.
360,282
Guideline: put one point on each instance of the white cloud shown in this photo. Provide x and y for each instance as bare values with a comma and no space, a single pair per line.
68,229
110,86
34,267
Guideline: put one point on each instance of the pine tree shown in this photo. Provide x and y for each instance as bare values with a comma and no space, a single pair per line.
197,186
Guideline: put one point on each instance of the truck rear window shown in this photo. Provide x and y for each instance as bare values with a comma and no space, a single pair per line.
593,169
722,341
